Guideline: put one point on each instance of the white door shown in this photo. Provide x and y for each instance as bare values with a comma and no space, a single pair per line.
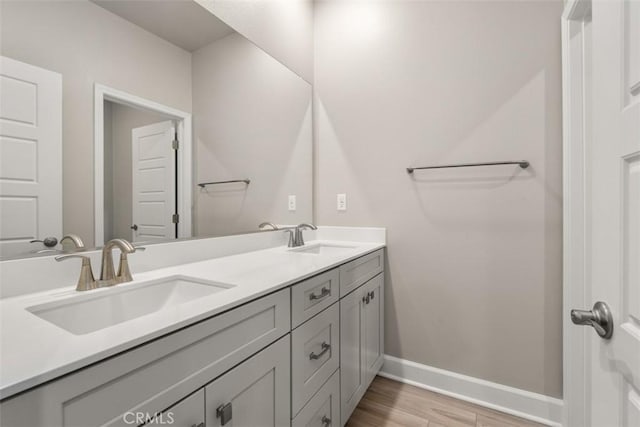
30,156
154,182
613,389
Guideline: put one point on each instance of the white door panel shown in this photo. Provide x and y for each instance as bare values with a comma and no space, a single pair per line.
30,156
615,210
154,174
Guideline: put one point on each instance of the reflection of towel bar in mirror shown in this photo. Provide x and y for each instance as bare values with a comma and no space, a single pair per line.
203,184
522,163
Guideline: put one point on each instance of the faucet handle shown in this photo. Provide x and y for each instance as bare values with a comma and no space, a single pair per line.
86,281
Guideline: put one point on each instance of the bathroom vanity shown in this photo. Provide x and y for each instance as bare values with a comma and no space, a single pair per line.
288,337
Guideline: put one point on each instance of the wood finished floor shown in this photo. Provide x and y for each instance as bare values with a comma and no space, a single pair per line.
390,403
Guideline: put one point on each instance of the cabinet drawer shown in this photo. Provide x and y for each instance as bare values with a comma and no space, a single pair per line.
323,410
310,297
315,353
358,271
188,412
152,377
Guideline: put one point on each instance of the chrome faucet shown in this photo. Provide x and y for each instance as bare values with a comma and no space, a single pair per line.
107,273
86,281
298,239
268,224
76,240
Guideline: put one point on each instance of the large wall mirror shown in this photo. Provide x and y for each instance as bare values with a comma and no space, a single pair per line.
149,122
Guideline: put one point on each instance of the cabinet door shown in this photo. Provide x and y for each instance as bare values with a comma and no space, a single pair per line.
352,373
373,326
254,393
186,413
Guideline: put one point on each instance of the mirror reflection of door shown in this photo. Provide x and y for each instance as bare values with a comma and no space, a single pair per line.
140,174
154,189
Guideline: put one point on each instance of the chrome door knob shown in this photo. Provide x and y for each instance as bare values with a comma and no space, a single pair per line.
599,318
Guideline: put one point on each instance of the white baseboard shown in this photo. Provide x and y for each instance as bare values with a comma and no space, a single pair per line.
525,404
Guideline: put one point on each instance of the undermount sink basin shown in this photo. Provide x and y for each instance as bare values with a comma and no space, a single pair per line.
324,249
89,312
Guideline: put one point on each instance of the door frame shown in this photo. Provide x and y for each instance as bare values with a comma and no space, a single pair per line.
104,93
576,189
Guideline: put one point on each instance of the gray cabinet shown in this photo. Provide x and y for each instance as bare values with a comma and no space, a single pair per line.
361,341
355,358
298,356
254,393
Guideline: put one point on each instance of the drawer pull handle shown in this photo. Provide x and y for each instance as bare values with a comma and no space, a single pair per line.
225,413
325,348
323,293
326,421
368,297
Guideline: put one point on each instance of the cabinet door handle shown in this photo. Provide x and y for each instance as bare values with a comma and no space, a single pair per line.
323,293
372,294
225,413
325,348
326,421
365,299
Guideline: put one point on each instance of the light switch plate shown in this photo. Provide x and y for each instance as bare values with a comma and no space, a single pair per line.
342,202
292,202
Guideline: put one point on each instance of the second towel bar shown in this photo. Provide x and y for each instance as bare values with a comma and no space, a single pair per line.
203,184
522,163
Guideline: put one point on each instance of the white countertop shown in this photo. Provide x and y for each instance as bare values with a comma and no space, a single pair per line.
33,351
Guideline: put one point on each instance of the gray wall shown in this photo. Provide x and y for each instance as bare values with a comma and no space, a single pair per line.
113,52
253,120
474,274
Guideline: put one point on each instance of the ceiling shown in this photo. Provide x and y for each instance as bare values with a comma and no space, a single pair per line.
182,22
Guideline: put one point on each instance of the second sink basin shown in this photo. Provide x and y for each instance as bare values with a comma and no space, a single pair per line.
89,312
324,249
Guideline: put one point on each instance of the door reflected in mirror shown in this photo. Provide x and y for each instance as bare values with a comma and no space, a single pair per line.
140,171
112,113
